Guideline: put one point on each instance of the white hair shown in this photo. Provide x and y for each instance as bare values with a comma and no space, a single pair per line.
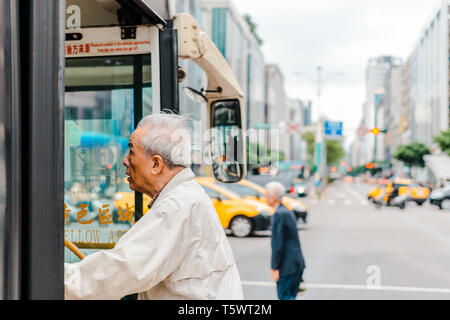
276,190
167,136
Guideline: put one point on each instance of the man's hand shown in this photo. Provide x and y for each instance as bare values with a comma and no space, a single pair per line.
275,274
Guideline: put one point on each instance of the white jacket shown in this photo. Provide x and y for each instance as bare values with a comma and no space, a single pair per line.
178,250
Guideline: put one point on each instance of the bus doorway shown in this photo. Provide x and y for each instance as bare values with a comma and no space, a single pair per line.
110,82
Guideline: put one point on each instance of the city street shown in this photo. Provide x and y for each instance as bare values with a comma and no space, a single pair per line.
349,246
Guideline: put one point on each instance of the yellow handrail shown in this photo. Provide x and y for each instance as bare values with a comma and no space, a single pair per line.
74,249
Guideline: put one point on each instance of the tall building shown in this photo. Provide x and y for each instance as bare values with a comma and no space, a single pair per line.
406,125
307,112
195,77
374,109
231,34
297,121
398,111
430,77
277,110
356,153
395,91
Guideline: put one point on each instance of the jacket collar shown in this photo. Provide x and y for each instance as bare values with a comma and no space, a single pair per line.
281,207
183,176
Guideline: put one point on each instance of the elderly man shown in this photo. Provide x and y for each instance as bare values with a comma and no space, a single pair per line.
178,250
287,258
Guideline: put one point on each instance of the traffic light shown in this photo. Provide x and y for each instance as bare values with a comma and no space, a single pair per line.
370,166
375,131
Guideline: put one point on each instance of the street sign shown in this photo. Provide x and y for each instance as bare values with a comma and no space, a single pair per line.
334,129
265,126
362,131
294,128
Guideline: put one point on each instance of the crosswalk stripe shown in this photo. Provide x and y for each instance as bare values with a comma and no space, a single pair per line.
354,287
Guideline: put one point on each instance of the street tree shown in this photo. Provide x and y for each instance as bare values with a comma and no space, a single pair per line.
310,139
335,151
444,141
412,154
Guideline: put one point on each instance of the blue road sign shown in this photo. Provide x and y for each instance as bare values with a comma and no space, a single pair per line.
334,129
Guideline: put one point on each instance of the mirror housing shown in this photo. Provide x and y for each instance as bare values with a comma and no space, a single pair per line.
228,141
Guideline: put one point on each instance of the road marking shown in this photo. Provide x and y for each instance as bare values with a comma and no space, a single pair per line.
324,193
360,198
353,287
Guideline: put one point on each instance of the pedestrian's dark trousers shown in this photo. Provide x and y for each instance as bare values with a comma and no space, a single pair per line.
287,286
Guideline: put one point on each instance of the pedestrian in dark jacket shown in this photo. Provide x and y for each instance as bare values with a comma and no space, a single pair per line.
287,259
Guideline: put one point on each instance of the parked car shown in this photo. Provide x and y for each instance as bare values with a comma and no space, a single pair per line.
294,171
242,216
250,190
441,198
263,180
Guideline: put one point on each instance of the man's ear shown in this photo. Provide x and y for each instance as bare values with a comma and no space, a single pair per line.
158,164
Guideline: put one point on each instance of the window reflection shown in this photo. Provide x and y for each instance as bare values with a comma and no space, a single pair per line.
100,109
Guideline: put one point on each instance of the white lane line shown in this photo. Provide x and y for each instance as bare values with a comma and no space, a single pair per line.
348,202
360,198
353,287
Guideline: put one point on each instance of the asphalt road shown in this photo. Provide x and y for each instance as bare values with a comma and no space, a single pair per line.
354,251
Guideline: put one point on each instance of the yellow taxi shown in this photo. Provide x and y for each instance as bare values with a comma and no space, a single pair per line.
375,193
124,200
252,191
242,216
299,209
416,192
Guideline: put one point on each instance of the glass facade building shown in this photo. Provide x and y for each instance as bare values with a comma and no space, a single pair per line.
256,86
195,74
232,36
430,77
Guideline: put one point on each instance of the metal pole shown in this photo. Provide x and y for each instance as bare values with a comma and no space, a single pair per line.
43,131
375,145
320,139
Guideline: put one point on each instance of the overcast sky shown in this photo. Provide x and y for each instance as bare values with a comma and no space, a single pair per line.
339,36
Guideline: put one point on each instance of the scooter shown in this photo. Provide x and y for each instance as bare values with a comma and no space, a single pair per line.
399,201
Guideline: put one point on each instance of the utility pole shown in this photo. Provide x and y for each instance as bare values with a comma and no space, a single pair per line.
378,98
320,150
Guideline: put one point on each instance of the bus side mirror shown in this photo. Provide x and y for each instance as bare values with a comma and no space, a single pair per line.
227,141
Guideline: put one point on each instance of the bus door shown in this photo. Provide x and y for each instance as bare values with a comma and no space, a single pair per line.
112,81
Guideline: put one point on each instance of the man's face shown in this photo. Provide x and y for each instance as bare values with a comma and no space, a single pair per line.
137,163
271,201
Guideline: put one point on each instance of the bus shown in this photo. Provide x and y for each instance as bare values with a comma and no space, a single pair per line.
77,76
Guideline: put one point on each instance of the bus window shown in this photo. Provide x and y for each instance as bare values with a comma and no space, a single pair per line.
102,97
